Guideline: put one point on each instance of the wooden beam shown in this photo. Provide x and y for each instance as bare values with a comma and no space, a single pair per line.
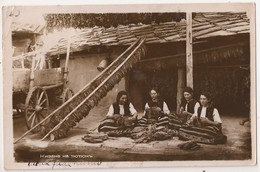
127,84
189,56
67,63
32,72
52,86
180,86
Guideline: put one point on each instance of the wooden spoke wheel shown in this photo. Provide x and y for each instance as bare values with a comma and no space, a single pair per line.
67,94
36,107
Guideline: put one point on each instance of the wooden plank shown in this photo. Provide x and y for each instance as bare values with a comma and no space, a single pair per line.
239,28
189,57
52,86
203,27
172,37
32,73
46,77
209,30
21,79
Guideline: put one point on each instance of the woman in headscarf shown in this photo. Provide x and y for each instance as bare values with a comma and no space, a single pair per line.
189,105
121,114
156,111
205,125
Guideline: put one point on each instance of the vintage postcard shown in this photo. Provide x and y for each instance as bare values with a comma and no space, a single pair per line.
151,85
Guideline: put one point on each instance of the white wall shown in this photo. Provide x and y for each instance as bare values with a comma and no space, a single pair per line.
83,68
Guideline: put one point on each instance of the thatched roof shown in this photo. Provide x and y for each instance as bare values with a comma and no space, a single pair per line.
26,28
205,25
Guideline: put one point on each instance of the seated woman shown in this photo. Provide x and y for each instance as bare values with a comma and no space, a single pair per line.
189,105
205,125
156,111
121,114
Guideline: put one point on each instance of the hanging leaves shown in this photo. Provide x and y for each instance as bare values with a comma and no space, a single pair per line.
82,20
226,85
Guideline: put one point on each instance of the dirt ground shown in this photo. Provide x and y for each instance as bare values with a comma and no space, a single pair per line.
238,146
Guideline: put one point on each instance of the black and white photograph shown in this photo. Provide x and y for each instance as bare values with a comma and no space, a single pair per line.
90,87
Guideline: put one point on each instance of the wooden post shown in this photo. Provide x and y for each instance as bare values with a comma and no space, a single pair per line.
32,72
22,62
67,63
189,57
180,86
127,84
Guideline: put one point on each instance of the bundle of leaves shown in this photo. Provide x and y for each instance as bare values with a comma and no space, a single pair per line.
152,133
83,20
94,137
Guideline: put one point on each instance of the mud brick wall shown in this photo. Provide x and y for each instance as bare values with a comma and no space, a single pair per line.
83,68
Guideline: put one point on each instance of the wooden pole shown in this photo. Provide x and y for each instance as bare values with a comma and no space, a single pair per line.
189,56
180,86
67,62
22,62
32,72
127,84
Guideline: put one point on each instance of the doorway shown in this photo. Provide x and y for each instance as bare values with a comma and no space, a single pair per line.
141,80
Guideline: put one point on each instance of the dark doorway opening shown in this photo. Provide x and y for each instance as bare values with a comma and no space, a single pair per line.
140,81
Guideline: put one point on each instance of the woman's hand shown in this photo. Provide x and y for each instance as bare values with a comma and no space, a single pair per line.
189,122
134,116
205,120
158,109
115,116
146,108
185,112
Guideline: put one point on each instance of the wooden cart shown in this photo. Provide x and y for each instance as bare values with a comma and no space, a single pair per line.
33,88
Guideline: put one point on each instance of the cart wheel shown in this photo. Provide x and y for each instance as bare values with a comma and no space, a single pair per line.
36,107
67,94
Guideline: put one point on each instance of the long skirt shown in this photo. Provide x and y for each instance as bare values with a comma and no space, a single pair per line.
206,134
108,125
175,122
198,133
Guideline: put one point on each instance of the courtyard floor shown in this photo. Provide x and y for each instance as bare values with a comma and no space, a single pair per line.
73,148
